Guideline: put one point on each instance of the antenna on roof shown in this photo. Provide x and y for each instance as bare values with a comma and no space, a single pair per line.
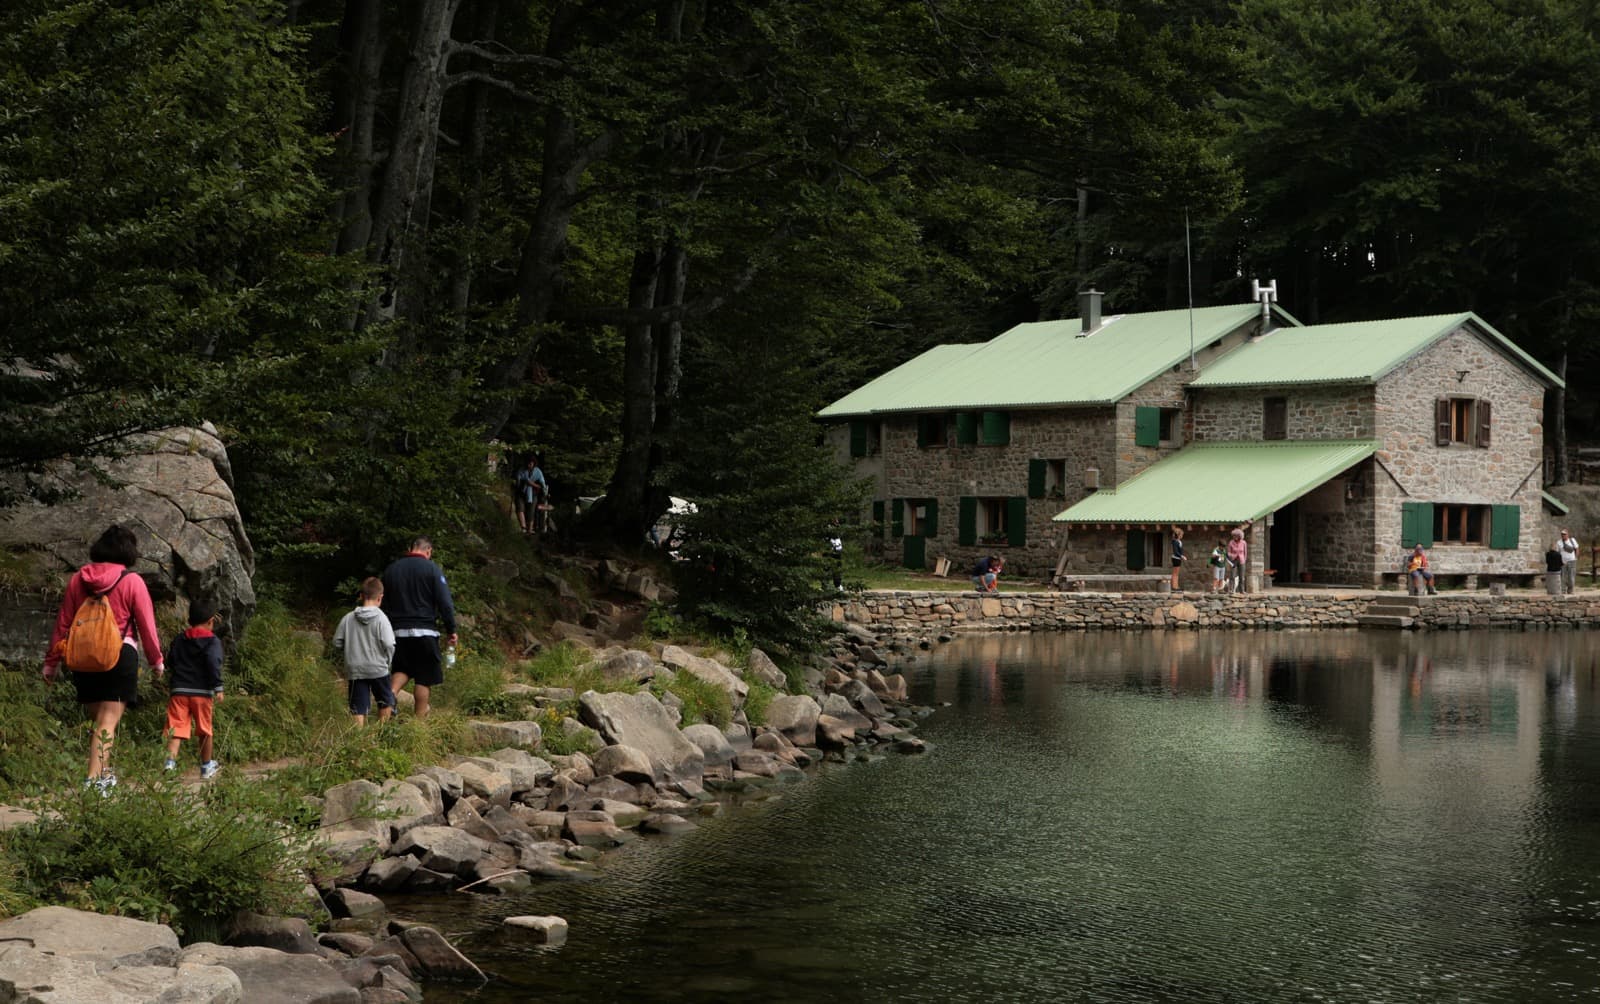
1188,268
1268,295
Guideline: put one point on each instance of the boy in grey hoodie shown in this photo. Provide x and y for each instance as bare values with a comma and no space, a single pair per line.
366,639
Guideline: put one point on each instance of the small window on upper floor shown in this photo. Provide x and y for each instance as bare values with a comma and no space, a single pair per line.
1462,421
933,430
1275,418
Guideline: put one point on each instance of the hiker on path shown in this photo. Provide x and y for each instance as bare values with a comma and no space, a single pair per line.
366,640
195,684
104,695
416,599
533,492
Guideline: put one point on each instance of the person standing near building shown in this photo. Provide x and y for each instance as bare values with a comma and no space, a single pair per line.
416,599
1219,566
1238,557
1177,557
1568,546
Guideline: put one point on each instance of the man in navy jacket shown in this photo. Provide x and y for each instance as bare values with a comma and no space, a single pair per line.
416,600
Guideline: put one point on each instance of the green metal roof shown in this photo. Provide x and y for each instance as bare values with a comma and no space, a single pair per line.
1556,505
1045,363
1359,352
1221,482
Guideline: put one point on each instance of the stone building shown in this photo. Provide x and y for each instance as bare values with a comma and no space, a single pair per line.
1075,447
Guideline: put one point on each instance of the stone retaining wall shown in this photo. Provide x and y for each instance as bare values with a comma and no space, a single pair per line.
919,613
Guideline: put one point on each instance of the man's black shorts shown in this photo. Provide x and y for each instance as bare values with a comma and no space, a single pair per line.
418,658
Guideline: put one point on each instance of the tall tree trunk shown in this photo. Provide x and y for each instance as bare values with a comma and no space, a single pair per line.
472,155
355,115
400,219
626,494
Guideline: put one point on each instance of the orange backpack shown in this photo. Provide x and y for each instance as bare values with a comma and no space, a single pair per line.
93,643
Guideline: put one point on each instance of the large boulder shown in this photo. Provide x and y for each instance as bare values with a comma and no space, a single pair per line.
350,811
78,934
447,850
714,746
173,489
624,762
31,976
795,715
709,670
640,721
272,977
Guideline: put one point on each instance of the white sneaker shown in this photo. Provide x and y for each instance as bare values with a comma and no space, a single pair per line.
210,768
171,764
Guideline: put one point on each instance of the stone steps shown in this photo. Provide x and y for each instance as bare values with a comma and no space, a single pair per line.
1392,612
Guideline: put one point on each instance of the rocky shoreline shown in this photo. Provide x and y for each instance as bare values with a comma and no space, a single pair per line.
481,824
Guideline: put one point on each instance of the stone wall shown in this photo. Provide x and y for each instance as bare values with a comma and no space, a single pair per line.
1235,414
927,614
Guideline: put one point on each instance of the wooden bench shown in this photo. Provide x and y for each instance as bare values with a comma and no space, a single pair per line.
1132,582
1465,580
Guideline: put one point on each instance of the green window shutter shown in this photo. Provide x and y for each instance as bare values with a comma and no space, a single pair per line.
897,518
996,428
966,428
877,518
1146,426
1135,550
1036,479
931,526
967,520
858,437
915,552
1416,524
1483,423
1016,521
1505,527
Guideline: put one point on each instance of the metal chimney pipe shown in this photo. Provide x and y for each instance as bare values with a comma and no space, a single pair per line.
1089,310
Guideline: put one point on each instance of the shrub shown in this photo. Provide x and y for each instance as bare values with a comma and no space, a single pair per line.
702,701
756,702
157,850
341,752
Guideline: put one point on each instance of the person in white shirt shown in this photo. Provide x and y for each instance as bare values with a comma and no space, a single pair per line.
1568,546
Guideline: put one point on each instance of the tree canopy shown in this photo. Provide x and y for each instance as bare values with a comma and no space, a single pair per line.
368,238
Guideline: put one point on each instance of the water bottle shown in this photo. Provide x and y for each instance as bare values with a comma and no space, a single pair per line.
450,657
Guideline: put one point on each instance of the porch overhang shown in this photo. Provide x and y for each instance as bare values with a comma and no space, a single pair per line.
1220,483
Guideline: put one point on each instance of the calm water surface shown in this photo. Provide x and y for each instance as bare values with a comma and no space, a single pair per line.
1296,816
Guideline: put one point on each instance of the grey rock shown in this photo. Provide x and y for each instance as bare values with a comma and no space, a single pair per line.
173,489
838,707
349,943
640,721
79,934
389,874
507,733
833,734
352,808
479,778
666,823
628,664
757,763
448,850
271,977
466,819
625,763
450,784
714,746
437,958
541,930
284,934
761,666
625,815
861,696
795,715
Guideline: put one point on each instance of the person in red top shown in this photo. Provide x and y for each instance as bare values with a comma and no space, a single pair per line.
104,695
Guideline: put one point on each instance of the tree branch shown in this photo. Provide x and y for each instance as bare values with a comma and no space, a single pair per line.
505,58
478,76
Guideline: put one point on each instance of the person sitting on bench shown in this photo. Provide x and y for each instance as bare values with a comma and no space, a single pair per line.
1417,571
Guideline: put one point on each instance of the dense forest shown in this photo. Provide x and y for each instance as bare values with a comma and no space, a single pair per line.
369,238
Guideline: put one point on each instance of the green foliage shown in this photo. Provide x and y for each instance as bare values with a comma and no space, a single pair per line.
158,850
339,752
557,741
476,686
757,701
661,623
703,701
281,688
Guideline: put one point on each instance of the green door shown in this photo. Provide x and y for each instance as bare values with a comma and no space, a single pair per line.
915,552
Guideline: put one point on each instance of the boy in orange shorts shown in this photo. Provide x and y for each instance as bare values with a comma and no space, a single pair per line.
194,662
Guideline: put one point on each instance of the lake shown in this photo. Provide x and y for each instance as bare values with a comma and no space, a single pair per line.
1140,816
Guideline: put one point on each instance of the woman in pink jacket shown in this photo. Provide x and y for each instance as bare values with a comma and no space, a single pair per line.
105,695
1238,555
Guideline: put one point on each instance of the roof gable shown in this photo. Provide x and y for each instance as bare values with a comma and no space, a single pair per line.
1357,352
1045,363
